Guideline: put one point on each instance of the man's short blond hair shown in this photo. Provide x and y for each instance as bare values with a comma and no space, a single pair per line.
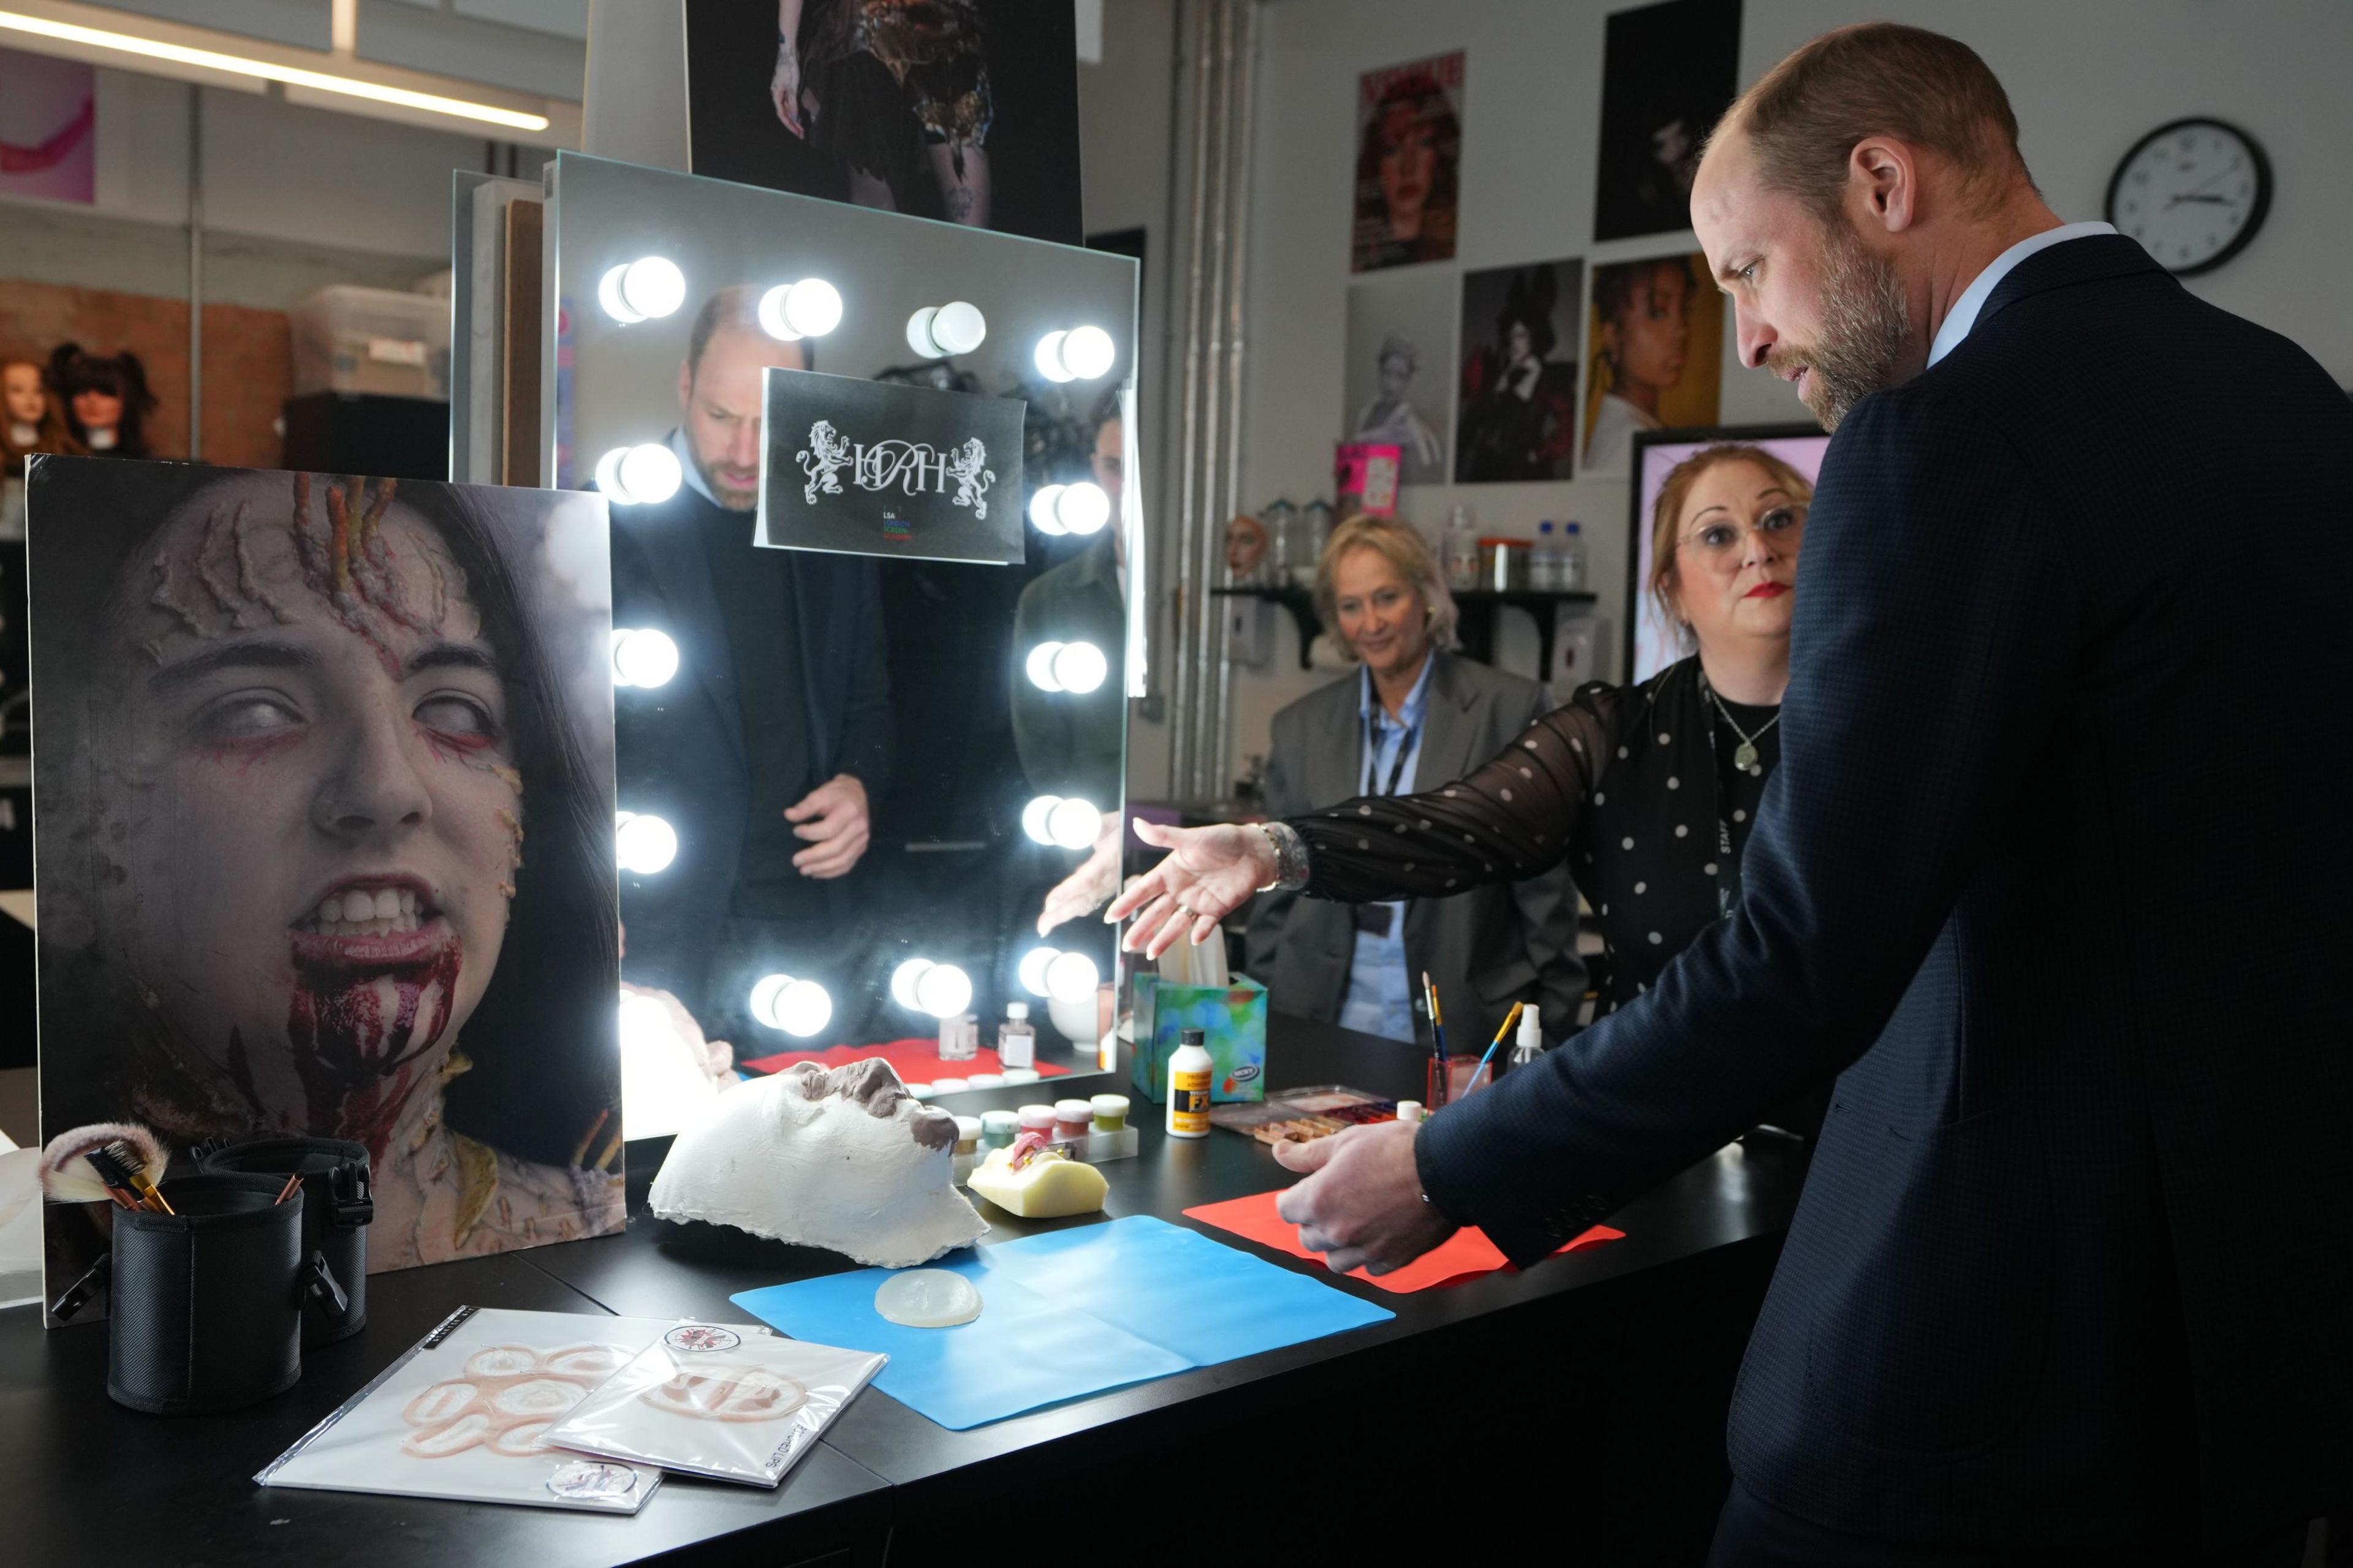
1805,116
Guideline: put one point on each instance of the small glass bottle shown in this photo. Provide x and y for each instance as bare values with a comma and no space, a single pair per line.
1459,548
1568,565
1017,1039
1529,1046
1543,560
959,1037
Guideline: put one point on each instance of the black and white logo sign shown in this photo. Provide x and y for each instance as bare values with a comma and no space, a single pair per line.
871,467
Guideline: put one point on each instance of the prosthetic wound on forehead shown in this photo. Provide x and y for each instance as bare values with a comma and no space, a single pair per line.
845,1159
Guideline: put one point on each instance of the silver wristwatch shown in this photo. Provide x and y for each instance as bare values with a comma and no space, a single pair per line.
1290,856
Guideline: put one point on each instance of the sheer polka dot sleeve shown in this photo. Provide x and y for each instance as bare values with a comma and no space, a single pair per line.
1510,820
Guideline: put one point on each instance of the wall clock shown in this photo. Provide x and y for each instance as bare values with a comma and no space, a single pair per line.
2193,193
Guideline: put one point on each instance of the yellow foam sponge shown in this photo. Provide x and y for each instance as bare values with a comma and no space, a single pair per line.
1048,1186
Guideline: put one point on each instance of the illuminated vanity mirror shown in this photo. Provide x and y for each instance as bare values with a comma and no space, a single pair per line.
954,729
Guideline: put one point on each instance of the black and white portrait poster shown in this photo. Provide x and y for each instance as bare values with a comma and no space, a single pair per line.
962,110
325,798
1409,162
1516,406
879,468
1668,72
1400,357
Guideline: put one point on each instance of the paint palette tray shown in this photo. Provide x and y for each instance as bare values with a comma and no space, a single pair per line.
1304,1115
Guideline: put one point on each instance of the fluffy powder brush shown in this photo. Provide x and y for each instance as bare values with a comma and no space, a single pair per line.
101,1161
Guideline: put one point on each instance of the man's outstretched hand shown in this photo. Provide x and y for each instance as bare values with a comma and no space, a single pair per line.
832,817
1361,1205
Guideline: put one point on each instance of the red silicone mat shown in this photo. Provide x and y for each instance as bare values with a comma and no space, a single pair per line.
1466,1253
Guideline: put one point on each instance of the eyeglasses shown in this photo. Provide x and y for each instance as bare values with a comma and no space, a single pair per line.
1717,545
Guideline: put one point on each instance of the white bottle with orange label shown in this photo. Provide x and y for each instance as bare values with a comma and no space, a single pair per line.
1190,1071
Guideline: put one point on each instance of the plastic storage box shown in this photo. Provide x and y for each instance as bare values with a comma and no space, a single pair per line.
348,339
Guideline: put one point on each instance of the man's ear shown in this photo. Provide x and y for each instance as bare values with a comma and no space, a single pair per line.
1883,185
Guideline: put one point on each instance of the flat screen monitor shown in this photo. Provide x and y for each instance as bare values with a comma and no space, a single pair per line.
1652,643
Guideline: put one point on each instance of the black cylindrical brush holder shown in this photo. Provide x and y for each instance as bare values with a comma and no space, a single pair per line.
337,1207
205,1311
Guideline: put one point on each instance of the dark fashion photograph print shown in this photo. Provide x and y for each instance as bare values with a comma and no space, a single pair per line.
1409,162
1668,73
1515,415
324,804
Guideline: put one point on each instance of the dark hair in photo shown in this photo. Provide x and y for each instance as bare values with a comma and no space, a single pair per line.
1428,99
1616,289
543,1038
71,371
1529,301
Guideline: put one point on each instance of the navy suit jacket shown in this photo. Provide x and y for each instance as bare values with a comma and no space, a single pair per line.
2052,874
681,753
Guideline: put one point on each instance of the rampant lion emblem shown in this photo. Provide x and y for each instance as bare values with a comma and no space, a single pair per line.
963,466
822,460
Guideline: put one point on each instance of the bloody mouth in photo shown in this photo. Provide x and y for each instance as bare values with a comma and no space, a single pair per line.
375,975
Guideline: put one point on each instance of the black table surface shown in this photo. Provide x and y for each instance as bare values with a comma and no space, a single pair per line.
1701,1243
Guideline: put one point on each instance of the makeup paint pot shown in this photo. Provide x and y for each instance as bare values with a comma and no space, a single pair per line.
337,1207
206,1303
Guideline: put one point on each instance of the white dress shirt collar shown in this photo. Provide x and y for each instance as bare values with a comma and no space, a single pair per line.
693,470
1964,313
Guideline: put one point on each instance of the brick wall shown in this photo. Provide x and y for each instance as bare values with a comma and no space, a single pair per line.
249,361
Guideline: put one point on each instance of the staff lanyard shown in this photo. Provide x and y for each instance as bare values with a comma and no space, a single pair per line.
1372,758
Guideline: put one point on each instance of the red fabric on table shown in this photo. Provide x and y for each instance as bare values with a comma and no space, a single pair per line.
1466,1253
915,1060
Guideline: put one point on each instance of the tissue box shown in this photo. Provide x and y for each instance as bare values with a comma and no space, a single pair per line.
1233,1020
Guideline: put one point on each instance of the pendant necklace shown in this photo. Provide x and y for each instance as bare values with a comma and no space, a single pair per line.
1745,756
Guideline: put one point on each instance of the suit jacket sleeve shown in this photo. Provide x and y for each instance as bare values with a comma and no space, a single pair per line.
1546,905
1270,910
1930,653
868,730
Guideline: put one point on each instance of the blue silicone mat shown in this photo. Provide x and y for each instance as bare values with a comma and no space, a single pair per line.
1067,1313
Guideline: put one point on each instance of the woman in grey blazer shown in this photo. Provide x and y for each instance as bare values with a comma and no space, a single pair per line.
1412,711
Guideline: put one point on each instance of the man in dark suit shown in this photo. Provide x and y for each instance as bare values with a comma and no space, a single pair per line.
2070,1278
765,749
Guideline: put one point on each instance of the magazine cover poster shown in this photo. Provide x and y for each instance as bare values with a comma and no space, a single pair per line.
323,799
1516,408
961,110
1409,162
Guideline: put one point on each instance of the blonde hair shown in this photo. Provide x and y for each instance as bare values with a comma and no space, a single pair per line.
1402,546
1667,511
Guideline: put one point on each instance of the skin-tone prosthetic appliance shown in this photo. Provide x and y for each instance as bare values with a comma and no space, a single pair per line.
1035,1182
845,1159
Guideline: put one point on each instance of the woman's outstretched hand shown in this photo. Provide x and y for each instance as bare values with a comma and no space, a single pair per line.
1209,872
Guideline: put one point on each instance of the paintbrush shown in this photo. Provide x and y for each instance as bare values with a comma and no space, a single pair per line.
133,1154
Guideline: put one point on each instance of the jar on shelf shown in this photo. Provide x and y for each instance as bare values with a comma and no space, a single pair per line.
1504,564
1459,550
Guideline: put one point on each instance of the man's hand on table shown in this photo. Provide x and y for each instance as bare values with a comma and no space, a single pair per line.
1361,1205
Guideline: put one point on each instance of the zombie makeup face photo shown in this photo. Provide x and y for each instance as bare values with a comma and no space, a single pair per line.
313,773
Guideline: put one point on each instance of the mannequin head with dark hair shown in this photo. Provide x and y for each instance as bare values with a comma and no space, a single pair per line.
106,400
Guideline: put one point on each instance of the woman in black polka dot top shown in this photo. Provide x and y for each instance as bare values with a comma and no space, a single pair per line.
1649,789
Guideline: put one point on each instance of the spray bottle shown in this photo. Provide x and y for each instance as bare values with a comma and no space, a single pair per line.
1529,1044
1190,1071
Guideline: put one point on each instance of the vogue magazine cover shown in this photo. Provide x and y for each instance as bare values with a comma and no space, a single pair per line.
1409,162
323,791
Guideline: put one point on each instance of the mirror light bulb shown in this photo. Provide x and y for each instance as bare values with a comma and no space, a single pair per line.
1032,972
813,307
1087,352
958,327
644,843
1081,507
1045,508
1073,824
773,319
638,290
902,982
919,332
943,991
643,1025
801,1007
643,657
1040,667
1078,667
1048,357
763,996
1034,815
1072,977
640,475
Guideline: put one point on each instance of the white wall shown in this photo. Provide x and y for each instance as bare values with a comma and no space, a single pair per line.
2087,78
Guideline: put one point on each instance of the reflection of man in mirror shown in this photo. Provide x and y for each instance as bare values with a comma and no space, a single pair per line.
765,747
1391,418
1071,743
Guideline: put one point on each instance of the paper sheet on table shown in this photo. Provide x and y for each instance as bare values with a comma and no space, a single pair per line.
1466,1253
1069,1312
915,1060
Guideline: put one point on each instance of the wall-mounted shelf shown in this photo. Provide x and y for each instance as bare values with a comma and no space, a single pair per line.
1478,607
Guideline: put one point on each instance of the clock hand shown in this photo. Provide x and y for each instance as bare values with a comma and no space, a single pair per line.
2192,196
